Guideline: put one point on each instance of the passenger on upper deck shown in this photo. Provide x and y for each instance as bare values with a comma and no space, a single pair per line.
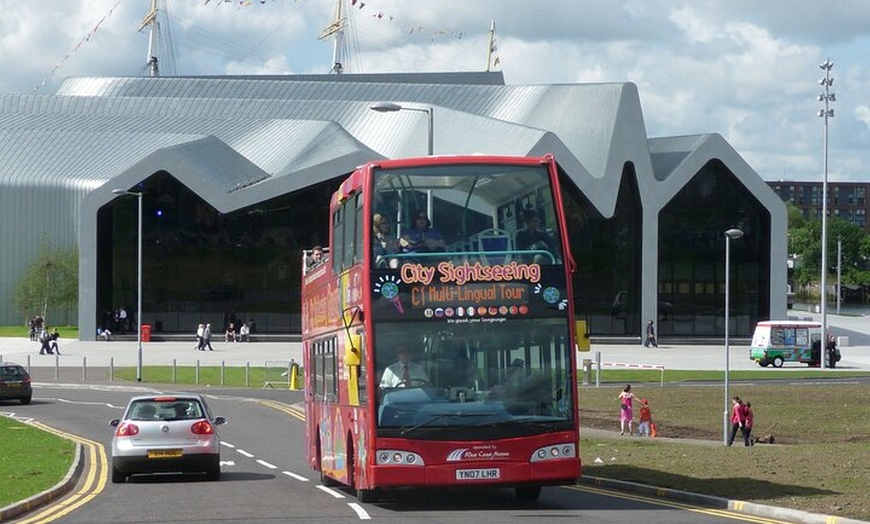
422,237
532,237
383,244
315,258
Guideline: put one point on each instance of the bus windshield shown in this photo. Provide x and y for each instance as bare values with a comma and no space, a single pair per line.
442,381
462,213
469,305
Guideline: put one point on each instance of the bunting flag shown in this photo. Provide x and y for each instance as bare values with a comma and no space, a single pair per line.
413,28
87,38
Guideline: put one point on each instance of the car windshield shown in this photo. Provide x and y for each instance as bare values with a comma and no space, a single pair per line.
176,409
12,372
511,375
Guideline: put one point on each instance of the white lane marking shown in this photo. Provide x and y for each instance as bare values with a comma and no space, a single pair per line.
330,491
26,420
295,476
83,403
228,463
227,444
245,453
264,463
363,515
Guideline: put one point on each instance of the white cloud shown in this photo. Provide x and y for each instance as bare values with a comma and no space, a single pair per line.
745,69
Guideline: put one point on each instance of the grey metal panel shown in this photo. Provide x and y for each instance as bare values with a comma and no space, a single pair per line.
254,137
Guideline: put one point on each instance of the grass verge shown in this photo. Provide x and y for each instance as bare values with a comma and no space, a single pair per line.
32,460
818,463
68,332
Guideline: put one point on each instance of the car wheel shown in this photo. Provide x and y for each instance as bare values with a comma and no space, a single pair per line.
118,477
25,400
213,474
777,362
528,493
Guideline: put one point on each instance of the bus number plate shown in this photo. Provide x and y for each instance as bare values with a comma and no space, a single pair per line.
478,474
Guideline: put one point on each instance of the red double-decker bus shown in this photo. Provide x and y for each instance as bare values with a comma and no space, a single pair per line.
438,333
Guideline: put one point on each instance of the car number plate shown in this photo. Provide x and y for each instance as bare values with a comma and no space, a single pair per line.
478,474
13,384
164,453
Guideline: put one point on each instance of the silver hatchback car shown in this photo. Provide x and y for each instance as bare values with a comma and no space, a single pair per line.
171,433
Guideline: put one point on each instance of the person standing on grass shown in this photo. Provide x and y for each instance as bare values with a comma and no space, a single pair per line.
738,419
626,413
747,425
644,419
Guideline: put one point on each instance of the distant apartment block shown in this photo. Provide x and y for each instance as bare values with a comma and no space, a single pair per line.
846,200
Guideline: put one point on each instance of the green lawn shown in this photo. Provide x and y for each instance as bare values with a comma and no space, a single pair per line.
31,460
70,332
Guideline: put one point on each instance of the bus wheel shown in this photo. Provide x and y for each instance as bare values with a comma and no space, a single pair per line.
528,493
777,361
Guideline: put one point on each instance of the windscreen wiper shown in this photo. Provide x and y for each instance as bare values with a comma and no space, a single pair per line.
426,422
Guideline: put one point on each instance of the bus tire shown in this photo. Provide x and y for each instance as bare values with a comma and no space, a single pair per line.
777,361
528,493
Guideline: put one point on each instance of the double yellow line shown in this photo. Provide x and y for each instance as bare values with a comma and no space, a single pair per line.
96,472
293,411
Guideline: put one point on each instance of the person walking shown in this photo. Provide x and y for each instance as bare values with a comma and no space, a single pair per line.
200,337
626,413
53,338
44,341
206,338
650,336
738,419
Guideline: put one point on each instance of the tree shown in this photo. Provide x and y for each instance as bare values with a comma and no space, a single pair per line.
50,284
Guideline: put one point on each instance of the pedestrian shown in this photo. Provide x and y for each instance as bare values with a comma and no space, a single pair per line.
44,340
644,419
200,337
747,425
650,336
738,419
53,338
626,413
206,338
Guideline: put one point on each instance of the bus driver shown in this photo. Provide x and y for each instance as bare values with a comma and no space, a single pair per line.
404,373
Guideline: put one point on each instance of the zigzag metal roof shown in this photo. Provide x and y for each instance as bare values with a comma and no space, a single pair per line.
278,124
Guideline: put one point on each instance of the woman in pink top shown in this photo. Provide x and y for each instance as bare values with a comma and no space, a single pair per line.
738,420
747,425
626,414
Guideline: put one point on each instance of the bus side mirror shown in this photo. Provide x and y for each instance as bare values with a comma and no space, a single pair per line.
352,349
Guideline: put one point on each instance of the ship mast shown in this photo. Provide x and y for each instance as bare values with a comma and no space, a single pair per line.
339,46
491,48
151,20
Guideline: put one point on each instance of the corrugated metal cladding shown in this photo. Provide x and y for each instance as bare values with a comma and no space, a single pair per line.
240,140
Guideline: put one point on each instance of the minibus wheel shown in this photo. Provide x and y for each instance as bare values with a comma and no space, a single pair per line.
777,361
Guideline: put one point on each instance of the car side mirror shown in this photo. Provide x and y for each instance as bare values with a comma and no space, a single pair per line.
114,422
219,421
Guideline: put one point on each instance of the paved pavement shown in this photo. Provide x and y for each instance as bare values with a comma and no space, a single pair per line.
856,355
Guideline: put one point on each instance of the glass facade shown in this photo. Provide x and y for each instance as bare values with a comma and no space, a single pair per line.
203,266
691,280
607,251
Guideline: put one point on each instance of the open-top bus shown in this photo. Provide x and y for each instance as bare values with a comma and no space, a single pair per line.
477,304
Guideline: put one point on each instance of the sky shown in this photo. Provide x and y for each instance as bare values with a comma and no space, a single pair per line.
745,69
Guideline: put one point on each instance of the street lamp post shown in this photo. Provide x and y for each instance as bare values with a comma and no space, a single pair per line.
827,97
731,234
138,281
390,107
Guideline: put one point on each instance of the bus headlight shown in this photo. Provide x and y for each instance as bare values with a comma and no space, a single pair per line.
396,457
559,451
